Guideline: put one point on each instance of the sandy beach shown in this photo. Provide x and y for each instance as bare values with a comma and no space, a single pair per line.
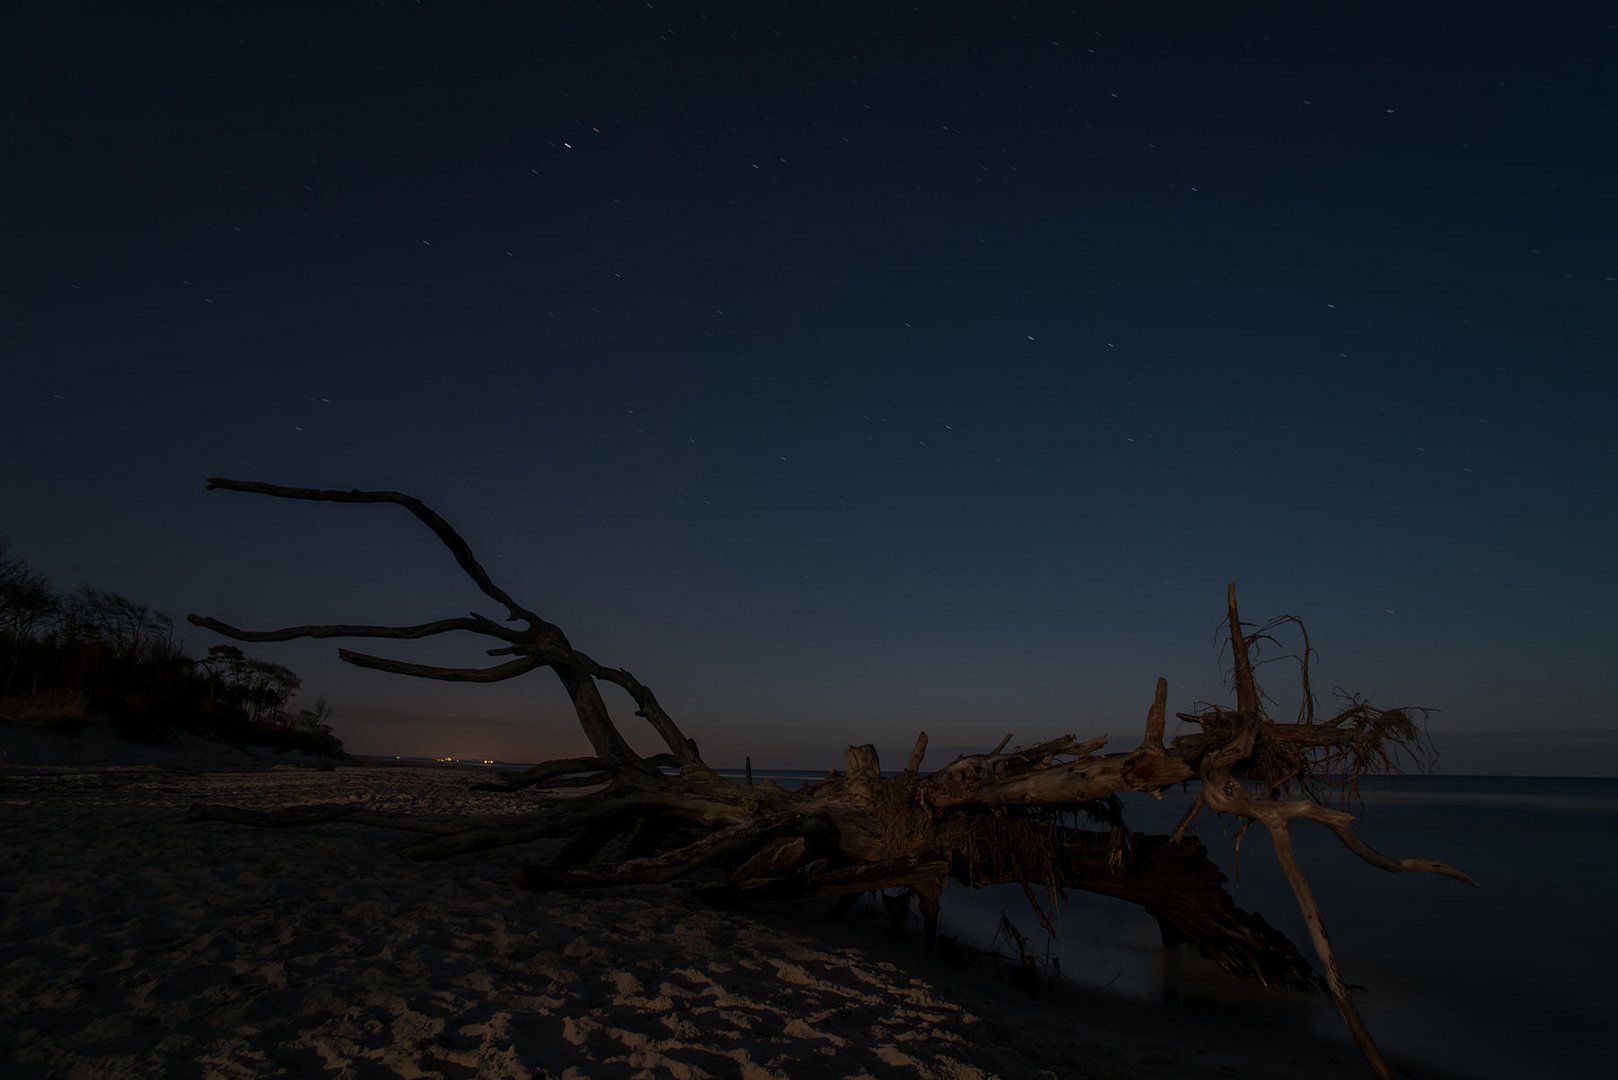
134,944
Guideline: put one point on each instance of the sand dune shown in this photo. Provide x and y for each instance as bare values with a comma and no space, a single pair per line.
136,945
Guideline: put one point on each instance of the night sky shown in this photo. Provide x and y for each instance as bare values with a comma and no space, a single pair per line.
841,370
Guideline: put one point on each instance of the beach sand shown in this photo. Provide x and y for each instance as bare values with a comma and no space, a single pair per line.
134,944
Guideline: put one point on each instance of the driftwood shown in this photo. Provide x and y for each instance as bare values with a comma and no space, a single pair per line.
1010,815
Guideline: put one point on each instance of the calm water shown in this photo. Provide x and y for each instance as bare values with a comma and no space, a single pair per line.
1512,978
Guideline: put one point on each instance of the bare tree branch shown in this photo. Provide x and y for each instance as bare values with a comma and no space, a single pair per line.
429,517
1241,666
997,764
540,644
568,772
477,624
1328,959
917,752
1154,717
1341,824
425,671
646,705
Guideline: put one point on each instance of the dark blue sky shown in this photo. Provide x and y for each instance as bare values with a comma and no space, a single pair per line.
839,371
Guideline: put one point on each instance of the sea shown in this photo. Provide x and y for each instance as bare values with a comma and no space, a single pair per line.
1511,978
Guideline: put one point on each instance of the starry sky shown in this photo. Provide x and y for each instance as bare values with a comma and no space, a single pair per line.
840,369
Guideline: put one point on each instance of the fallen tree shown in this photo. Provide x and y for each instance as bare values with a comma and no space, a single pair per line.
1006,816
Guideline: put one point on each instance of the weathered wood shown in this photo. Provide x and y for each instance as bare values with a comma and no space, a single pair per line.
1155,717
917,752
562,772
440,528
1282,840
1188,817
1001,816
1247,700
1223,789
1081,781
863,764
681,748
477,624
498,673
973,768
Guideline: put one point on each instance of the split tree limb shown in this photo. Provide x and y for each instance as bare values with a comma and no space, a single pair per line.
917,752
1154,717
1247,699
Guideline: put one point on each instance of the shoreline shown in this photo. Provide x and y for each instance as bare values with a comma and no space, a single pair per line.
135,944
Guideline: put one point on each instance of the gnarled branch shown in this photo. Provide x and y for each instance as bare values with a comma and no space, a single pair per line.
427,671
646,706
425,514
477,624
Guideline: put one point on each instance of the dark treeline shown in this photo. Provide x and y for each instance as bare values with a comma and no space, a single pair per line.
68,656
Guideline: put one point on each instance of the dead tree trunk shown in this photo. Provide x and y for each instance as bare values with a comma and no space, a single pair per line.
1003,816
